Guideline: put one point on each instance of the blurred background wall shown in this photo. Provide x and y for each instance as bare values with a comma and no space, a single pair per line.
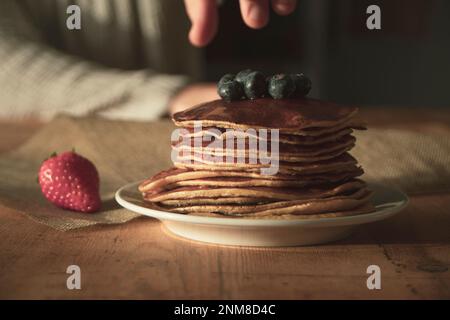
407,62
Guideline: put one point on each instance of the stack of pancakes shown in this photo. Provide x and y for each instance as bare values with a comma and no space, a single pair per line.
315,176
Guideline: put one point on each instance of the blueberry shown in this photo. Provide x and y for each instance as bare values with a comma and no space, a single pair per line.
230,90
242,75
255,85
302,84
226,78
281,86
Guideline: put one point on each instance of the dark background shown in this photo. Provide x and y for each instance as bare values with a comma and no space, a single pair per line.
406,63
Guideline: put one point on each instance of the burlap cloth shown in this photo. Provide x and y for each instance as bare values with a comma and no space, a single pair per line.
128,151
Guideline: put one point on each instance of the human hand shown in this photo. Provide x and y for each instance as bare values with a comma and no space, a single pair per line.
192,95
255,13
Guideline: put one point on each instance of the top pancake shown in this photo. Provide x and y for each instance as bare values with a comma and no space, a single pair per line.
283,114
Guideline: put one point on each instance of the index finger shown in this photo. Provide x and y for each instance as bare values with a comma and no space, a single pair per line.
204,18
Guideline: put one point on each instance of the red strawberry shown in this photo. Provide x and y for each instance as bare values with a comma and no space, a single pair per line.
70,181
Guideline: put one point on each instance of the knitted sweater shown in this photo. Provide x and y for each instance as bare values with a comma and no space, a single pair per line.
128,59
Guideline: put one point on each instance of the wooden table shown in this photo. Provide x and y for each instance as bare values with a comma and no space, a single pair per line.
138,260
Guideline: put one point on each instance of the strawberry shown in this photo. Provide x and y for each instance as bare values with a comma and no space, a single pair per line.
70,181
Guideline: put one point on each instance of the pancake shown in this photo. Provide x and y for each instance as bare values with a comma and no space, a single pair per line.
222,147
318,132
253,160
307,133
363,209
215,201
223,181
304,207
176,177
342,162
210,134
287,115
255,192
252,156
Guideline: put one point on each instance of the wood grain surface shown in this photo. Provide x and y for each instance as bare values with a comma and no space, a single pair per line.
139,260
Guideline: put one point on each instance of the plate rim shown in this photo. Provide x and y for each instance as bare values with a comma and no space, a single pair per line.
395,207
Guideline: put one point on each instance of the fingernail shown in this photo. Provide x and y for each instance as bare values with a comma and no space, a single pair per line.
255,13
284,6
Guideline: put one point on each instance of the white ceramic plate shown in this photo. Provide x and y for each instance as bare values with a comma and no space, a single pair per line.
264,232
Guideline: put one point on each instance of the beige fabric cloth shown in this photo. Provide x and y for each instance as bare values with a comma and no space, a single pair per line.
129,54
129,151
